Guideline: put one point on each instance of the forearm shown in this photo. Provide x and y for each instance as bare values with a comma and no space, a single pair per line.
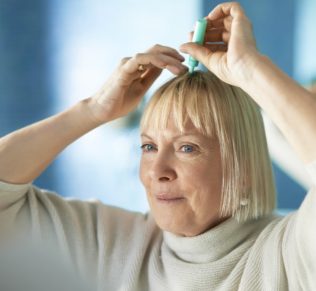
26,153
290,106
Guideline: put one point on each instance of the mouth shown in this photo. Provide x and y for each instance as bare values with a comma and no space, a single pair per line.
169,199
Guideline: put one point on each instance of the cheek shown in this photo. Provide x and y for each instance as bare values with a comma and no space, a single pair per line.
206,183
143,170
198,172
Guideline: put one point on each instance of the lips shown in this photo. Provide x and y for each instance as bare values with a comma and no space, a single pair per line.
168,197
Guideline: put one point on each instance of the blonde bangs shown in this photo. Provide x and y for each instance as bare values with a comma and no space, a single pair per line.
184,99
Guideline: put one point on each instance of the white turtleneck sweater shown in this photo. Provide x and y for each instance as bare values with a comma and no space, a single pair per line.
123,250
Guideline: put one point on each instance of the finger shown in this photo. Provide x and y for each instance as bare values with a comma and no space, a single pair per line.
217,47
214,35
218,23
226,36
228,23
204,55
159,60
150,76
222,23
165,61
143,69
222,10
197,51
124,60
158,48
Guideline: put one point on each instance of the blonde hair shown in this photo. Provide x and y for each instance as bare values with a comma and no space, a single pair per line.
220,110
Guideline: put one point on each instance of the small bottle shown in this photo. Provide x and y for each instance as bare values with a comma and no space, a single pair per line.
198,37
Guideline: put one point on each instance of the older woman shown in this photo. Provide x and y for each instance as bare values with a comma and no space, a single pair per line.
205,168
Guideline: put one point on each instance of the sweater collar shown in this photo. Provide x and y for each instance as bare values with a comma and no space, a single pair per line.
214,243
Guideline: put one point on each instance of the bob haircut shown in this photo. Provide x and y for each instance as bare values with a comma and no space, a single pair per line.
227,113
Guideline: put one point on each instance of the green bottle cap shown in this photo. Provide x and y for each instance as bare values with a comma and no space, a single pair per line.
198,37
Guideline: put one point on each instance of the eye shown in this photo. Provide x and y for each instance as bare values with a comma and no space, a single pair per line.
147,147
187,148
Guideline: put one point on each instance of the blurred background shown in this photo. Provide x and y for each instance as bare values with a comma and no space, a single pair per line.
55,53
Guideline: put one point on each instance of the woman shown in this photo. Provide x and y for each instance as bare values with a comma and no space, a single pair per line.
204,166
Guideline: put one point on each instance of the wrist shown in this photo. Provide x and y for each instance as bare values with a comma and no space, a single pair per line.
92,110
250,67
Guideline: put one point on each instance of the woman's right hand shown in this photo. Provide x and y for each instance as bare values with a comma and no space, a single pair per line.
127,85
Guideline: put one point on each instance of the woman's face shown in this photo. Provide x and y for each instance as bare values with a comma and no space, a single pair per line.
182,176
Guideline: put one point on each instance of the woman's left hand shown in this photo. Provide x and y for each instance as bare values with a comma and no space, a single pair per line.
233,60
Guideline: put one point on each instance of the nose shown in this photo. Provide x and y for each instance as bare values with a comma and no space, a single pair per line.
163,168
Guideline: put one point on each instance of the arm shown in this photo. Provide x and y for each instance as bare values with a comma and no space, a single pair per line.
238,63
290,106
25,153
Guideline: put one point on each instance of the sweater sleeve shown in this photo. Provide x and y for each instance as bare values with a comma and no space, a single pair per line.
93,235
300,241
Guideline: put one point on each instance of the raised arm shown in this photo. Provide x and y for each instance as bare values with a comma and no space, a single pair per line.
290,106
237,62
25,153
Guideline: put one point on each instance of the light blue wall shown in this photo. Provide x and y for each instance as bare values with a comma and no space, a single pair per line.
26,86
305,41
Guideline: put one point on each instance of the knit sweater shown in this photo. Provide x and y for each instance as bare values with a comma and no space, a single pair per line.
124,250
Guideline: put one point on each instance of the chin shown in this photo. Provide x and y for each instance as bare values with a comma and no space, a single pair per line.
177,229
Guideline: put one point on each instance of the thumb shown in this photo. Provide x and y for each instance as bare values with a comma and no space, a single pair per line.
199,52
